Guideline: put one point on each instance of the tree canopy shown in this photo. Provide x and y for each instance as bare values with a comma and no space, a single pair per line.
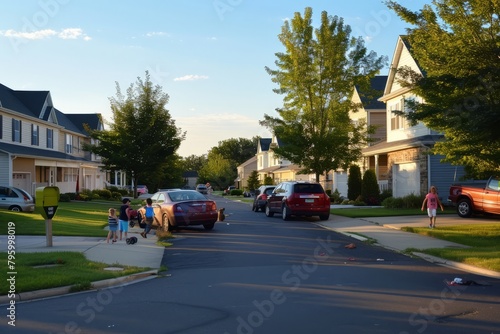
456,44
142,138
317,74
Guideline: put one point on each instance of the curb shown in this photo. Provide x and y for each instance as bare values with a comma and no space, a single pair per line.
63,290
458,265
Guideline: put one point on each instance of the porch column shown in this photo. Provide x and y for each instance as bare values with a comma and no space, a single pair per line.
377,167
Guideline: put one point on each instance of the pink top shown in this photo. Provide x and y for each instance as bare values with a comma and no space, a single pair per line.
432,200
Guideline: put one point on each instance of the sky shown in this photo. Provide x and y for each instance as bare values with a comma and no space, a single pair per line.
209,56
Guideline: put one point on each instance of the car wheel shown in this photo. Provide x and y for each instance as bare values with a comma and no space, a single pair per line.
15,208
269,213
255,208
464,208
167,226
285,212
209,227
324,217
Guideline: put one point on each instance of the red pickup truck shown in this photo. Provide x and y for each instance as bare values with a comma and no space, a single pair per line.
476,197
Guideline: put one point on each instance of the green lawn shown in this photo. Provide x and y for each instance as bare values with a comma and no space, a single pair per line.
46,270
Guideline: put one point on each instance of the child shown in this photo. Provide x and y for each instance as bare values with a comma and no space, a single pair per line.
149,215
112,224
124,217
432,201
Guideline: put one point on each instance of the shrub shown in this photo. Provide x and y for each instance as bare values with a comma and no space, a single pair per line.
102,193
354,182
64,198
370,190
236,192
116,195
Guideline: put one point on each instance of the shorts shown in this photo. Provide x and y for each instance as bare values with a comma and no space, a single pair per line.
431,212
113,227
123,225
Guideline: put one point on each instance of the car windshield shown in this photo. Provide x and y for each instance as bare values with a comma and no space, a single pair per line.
308,188
185,195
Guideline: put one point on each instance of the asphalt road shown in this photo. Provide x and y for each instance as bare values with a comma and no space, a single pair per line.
254,274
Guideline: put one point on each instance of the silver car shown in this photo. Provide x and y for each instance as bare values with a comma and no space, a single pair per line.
16,199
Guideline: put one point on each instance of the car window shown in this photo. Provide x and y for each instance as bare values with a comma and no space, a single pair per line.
3,191
160,198
308,188
269,191
24,193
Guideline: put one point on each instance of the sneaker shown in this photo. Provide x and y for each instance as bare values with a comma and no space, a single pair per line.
430,225
143,235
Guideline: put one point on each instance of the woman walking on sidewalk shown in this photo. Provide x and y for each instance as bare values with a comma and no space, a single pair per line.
432,201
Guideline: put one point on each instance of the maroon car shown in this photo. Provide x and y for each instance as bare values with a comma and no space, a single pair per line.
177,208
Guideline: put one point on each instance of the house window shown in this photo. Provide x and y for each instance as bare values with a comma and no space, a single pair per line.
70,174
34,134
397,121
16,130
69,143
50,138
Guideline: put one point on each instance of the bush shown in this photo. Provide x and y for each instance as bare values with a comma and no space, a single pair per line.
64,198
236,192
116,195
102,193
370,190
354,182
408,202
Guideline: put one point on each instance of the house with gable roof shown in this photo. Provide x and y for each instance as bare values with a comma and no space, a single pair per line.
42,146
403,159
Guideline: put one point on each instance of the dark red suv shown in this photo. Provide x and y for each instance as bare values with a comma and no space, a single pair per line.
298,198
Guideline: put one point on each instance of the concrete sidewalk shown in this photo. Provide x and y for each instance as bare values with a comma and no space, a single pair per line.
387,233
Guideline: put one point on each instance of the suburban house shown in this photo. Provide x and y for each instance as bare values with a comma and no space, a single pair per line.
403,159
398,152
41,146
244,170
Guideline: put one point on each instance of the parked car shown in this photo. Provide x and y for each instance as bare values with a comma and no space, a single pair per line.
298,198
260,200
228,190
202,189
175,208
16,199
476,197
142,189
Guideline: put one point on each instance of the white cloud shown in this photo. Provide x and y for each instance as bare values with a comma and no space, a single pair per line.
68,33
157,33
191,77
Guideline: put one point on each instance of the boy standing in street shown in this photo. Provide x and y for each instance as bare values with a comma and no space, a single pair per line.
432,201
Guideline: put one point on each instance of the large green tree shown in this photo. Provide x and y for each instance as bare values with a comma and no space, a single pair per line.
237,150
142,136
316,74
457,45
219,171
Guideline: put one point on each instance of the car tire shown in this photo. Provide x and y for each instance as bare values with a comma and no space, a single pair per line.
209,227
324,217
269,213
285,212
15,208
255,208
167,226
464,208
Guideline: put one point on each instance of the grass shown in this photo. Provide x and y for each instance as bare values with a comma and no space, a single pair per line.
37,271
61,268
361,212
483,239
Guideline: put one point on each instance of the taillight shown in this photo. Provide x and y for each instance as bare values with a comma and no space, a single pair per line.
264,197
178,208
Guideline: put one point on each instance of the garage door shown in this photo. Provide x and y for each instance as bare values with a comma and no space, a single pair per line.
406,180
22,180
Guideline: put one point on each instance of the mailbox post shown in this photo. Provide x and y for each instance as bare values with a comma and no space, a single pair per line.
46,202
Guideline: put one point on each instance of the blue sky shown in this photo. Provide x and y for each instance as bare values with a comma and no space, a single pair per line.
208,55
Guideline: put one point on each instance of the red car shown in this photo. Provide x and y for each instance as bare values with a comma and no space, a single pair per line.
177,208
298,198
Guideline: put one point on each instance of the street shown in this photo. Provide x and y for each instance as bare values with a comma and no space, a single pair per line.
254,274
